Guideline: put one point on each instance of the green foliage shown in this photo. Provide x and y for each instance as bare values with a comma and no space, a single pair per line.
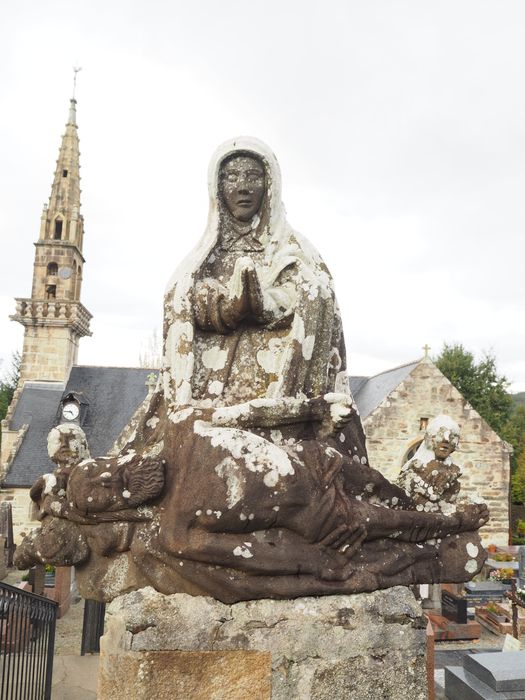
479,382
519,398
517,483
8,384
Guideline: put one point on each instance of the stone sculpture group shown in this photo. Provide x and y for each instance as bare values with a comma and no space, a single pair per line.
246,475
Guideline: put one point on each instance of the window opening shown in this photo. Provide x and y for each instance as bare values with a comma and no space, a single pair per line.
58,229
51,291
64,173
411,452
52,269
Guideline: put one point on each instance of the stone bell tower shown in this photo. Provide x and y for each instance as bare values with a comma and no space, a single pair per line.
53,317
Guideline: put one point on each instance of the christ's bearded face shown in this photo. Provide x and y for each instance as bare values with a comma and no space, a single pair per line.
241,185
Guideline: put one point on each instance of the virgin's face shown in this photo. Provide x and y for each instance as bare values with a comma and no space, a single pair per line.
241,185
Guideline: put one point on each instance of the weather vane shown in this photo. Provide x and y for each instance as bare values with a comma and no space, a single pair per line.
76,69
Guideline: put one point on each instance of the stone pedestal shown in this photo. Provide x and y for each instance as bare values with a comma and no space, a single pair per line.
362,647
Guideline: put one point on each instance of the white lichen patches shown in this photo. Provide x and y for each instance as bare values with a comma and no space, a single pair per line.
276,509
130,454
276,436
126,494
472,550
214,358
179,416
115,579
307,347
270,360
152,422
242,517
50,481
258,454
215,387
231,472
471,566
243,551
198,512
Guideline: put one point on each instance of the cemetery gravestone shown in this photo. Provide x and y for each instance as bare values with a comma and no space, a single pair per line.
454,607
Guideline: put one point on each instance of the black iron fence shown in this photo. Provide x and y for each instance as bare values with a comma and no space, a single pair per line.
92,627
27,640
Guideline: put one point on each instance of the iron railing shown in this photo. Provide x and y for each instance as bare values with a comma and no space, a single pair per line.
92,627
27,641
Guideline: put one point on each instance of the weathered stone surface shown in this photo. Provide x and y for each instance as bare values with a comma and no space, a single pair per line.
247,475
198,675
359,646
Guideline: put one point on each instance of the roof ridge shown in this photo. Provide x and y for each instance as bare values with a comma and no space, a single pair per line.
151,369
392,369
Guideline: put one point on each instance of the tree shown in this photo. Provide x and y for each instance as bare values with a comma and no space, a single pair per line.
479,382
8,384
518,477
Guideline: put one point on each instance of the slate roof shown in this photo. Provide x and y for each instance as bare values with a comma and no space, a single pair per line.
37,407
109,397
369,393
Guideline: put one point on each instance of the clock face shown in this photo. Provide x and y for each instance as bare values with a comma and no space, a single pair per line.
65,273
70,411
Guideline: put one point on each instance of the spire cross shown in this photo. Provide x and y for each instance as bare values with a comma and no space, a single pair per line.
76,69
426,348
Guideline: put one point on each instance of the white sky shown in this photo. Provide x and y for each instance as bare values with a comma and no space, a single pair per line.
399,127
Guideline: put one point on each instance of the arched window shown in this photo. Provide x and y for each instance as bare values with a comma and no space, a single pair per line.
58,229
411,452
52,269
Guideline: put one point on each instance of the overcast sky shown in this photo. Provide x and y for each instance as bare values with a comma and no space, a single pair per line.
399,127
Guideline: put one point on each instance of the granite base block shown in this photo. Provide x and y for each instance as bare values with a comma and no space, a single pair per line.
361,647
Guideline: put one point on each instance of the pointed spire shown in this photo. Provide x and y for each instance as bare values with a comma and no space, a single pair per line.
72,119
65,191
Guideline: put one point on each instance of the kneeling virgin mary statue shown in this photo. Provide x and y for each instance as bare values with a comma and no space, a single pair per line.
247,474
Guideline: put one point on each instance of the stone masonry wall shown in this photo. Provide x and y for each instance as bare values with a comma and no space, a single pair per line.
21,505
48,353
394,427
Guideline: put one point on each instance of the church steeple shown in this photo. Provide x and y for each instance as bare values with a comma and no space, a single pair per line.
64,201
54,319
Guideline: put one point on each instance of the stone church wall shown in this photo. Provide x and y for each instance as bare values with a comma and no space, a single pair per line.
396,425
22,509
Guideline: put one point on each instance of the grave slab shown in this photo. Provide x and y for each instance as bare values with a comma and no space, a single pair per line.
462,685
502,672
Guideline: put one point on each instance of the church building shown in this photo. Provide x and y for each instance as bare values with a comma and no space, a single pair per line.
395,405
